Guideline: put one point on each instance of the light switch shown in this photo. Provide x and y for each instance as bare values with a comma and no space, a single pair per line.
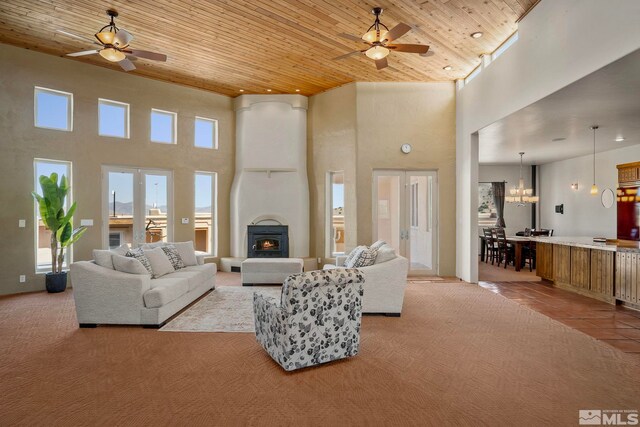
22,223
185,220
86,222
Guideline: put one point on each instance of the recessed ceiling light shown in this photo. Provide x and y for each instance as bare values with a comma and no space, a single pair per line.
447,68
558,139
268,90
476,35
297,90
241,90
619,139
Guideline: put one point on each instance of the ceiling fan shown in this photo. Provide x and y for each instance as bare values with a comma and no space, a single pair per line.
114,43
378,37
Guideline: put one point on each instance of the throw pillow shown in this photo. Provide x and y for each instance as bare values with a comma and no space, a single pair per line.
102,257
378,244
160,264
363,257
187,252
128,265
138,254
385,253
349,259
153,245
174,257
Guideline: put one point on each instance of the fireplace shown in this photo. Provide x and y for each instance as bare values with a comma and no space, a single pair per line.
268,241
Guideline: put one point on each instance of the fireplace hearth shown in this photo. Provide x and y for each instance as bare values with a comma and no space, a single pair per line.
268,241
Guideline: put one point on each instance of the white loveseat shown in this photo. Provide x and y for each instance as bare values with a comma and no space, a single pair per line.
106,296
384,285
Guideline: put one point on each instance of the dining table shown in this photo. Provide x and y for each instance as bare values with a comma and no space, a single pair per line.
518,243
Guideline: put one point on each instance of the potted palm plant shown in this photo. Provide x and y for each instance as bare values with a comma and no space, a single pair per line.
63,235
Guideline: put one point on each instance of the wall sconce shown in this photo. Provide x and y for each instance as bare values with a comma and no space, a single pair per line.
574,186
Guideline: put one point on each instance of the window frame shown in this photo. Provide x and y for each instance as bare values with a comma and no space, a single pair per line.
473,74
504,46
174,126
127,123
414,205
68,202
68,95
329,249
214,136
213,239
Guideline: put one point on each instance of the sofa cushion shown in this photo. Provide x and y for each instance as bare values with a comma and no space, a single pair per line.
195,274
361,256
160,264
128,265
174,257
187,252
165,290
385,253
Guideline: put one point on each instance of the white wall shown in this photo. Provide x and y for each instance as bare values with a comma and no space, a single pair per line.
517,218
584,215
559,42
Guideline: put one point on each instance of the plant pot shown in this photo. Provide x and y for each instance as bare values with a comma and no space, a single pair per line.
56,282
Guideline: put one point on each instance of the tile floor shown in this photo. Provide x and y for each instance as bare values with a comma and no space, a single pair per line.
614,325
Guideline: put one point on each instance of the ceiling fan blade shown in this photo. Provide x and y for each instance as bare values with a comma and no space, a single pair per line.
350,37
126,65
409,48
83,53
346,55
147,55
122,39
398,31
382,63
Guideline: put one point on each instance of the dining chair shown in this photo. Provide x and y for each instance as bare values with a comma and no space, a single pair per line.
506,251
490,244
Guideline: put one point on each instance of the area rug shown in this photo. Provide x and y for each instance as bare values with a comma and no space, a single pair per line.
226,309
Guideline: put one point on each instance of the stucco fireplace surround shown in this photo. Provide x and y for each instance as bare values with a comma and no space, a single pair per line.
270,186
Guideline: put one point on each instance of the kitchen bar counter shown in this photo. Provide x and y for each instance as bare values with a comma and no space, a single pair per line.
580,242
606,271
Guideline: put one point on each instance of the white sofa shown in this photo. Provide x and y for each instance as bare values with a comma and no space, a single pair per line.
384,285
106,296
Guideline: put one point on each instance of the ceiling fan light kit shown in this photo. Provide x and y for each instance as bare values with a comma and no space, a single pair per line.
378,38
114,43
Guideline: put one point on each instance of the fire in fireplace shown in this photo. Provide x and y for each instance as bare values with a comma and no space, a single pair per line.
268,241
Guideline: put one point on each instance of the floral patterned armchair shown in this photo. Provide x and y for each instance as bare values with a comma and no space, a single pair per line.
316,321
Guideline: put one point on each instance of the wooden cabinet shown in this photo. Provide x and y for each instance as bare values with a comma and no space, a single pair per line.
544,260
580,267
602,272
562,264
628,172
627,284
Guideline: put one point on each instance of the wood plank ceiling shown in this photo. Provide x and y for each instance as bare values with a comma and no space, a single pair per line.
283,45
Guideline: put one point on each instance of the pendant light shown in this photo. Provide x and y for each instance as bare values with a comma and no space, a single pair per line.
594,187
520,194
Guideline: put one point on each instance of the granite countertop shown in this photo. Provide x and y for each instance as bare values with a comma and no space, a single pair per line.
587,242
580,242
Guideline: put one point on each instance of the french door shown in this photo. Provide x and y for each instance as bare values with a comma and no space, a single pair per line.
137,206
405,206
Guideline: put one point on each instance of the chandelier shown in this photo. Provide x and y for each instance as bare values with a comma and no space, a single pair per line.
520,194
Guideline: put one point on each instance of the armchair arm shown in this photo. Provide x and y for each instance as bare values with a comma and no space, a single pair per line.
270,321
103,295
